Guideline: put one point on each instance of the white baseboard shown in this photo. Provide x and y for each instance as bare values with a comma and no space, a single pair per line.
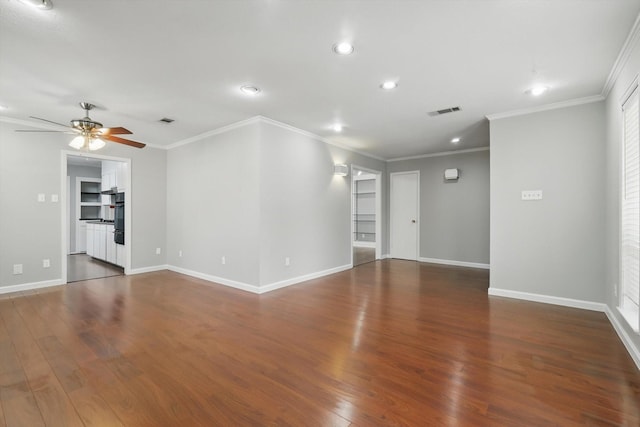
30,286
303,278
258,289
547,299
456,263
364,244
385,256
147,269
220,280
633,351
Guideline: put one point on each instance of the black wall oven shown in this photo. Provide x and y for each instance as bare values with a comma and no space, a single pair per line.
118,220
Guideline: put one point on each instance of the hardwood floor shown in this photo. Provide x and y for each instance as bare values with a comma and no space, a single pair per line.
389,343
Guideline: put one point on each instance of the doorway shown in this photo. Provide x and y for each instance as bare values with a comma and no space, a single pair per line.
96,188
366,209
404,215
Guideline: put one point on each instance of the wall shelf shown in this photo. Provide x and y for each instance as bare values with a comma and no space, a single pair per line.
364,210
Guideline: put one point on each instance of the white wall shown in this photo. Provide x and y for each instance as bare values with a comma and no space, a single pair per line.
31,163
613,188
454,216
554,246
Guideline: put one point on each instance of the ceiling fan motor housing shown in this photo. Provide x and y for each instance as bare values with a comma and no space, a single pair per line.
85,124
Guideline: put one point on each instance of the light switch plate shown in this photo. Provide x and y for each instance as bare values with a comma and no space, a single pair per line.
531,194
41,197
54,198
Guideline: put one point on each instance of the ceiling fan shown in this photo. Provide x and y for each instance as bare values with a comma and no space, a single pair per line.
90,134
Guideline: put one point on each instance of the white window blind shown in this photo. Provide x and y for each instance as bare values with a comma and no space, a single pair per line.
630,250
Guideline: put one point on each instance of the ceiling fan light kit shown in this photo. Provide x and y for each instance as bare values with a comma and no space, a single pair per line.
38,4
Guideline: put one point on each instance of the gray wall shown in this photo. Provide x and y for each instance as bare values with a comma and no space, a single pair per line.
305,208
73,172
613,174
30,163
454,216
258,194
213,205
554,246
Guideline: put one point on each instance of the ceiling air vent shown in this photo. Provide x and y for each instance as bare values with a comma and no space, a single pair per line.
166,120
444,111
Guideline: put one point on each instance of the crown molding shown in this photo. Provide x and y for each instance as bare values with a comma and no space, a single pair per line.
317,137
29,123
624,55
262,119
440,154
547,107
213,132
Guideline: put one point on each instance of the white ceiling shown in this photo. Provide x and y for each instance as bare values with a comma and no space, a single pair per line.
141,60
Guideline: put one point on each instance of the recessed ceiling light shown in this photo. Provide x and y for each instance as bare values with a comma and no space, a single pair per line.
343,48
455,140
389,84
337,127
38,4
250,90
538,90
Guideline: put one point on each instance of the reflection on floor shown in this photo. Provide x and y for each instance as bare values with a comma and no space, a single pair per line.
83,267
363,255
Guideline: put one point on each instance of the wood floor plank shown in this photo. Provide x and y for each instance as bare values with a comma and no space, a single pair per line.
93,410
22,412
389,343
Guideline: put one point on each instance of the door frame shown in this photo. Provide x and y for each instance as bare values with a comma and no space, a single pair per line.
378,175
64,207
391,231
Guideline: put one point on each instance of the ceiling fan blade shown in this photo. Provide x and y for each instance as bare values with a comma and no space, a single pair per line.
45,120
114,131
27,130
123,141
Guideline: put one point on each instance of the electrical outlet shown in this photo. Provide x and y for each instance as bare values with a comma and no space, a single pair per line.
531,194
180,254
287,261
223,260
158,251
17,268
46,263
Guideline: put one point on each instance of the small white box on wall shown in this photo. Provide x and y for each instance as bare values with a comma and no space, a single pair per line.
451,174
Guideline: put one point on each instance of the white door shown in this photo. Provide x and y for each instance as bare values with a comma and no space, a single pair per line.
405,196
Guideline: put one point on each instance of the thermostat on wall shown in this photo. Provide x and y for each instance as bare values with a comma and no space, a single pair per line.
451,174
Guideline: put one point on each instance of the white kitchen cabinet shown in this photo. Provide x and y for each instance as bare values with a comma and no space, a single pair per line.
90,239
100,242
121,176
110,244
114,175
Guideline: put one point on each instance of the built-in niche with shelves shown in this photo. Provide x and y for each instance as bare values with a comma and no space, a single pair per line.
90,199
364,210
